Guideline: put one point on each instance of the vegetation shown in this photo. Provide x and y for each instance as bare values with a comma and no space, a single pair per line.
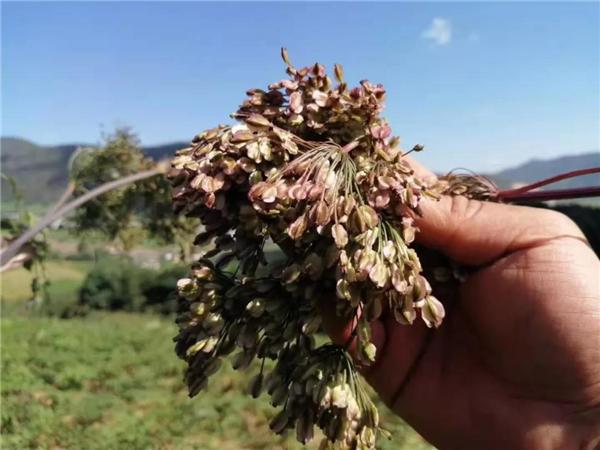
118,193
109,381
62,291
102,381
115,284
311,166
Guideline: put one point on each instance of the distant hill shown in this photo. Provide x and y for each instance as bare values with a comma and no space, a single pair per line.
41,171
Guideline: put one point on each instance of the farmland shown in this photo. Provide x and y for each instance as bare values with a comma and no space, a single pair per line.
111,381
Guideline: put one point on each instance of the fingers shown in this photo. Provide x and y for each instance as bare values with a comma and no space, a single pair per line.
397,349
475,233
341,330
420,170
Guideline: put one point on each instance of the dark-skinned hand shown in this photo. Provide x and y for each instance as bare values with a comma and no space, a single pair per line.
516,363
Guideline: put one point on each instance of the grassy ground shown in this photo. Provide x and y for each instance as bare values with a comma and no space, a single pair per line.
65,276
112,381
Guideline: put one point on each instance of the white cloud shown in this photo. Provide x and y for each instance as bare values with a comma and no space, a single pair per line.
439,32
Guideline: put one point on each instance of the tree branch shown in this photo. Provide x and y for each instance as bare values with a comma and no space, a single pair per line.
59,211
63,198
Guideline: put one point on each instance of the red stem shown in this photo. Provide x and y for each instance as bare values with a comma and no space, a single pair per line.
518,192
556,194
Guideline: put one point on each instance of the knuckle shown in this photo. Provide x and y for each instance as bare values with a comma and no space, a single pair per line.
561,224
463,209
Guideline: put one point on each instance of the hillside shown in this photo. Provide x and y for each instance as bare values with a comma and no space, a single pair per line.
41,172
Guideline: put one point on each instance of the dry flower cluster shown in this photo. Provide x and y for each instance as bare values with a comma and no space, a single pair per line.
313,168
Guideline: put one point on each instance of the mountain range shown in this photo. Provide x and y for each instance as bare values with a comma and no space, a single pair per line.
41,171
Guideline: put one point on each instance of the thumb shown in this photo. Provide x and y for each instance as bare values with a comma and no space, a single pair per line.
474,232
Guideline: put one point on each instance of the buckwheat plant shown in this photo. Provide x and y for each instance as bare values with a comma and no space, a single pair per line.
313,168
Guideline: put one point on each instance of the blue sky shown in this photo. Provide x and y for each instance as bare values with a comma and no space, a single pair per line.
481,85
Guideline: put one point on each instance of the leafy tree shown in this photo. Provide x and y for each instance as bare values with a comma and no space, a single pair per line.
135,212
113,189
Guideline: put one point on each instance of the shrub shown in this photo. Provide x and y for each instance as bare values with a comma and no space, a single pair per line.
117,284
114,284
159,289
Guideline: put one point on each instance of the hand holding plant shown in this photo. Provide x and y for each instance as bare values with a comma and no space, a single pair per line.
313,169
517,362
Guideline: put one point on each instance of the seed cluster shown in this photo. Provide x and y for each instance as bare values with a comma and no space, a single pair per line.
312,168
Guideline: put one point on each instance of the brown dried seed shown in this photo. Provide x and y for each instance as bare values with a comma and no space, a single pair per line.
432,312
421,288
322,213
289,85
285,56
291,273
313,266
298,227
280,422
246,164
295,191
269,195
258,121
242,360
242,136
398,281
256,385
296,104
256,307
320,98
319,70
366,261
312,326
342,289
369,351
340,235
257,190
305,427
339,73
379,274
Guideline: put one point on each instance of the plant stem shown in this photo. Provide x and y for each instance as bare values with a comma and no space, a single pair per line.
524,191
556,194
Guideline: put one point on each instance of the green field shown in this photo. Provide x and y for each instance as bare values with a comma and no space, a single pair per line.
112,381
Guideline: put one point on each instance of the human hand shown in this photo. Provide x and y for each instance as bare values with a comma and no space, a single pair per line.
516,363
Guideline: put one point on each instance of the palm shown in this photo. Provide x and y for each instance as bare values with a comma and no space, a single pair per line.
519,351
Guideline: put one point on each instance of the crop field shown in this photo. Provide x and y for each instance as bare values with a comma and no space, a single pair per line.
112,381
